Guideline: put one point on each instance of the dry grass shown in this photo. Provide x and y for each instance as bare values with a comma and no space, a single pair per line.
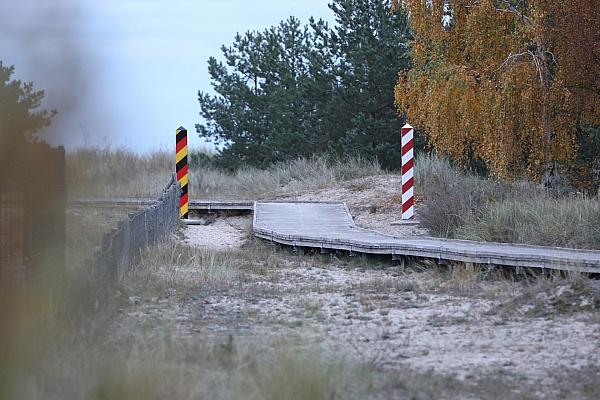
58,343
58,340
107,173
70,366
517,295
465,206
85,228
281,178
552,295
175,266
457,205
564,222
574,384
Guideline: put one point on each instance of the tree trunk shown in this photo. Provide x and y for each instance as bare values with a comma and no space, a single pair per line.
549,175
546,77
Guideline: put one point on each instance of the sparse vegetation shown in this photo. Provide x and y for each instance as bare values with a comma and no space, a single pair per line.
543,297
455,204
72,365
103,172
85,228
173,267
213,313
466,206
138,342
281,178
563,222
193,316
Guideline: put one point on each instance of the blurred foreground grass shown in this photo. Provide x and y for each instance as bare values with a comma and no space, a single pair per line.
62,337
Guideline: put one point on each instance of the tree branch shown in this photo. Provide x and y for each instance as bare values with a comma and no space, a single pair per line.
535,59
510,58
512,9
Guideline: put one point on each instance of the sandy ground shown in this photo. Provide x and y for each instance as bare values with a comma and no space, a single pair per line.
395,319
219,233
374,202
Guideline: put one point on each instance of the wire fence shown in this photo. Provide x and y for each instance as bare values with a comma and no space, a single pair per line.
122,247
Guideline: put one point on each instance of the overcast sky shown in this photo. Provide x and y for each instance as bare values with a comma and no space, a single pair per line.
127,72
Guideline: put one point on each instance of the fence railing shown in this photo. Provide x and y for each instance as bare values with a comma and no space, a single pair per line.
122,247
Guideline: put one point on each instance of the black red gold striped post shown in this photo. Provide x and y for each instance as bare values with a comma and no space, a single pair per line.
181,159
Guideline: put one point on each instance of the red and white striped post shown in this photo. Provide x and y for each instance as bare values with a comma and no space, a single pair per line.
408,177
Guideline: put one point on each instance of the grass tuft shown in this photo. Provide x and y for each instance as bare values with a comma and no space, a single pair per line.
563,222
466,206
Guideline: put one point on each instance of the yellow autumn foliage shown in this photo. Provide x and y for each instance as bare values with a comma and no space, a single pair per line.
502,82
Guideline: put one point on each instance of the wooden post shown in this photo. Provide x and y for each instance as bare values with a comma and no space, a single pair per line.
408,181
181,159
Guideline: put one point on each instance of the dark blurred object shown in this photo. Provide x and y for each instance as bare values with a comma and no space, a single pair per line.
32,212
21,115
32,185
584,172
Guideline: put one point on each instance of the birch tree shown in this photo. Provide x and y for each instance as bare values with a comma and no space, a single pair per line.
508,82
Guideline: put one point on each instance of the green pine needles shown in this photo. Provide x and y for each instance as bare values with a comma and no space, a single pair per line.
297,90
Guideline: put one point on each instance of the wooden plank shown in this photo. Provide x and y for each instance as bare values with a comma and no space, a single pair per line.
330,226
204,205
218,205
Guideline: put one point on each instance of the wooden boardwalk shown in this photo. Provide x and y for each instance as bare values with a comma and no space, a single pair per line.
330,226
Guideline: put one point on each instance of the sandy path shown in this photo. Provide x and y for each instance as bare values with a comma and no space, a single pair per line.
222,234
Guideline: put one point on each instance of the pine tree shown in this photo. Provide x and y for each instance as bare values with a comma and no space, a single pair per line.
372,45
21,118
295,90
260,102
